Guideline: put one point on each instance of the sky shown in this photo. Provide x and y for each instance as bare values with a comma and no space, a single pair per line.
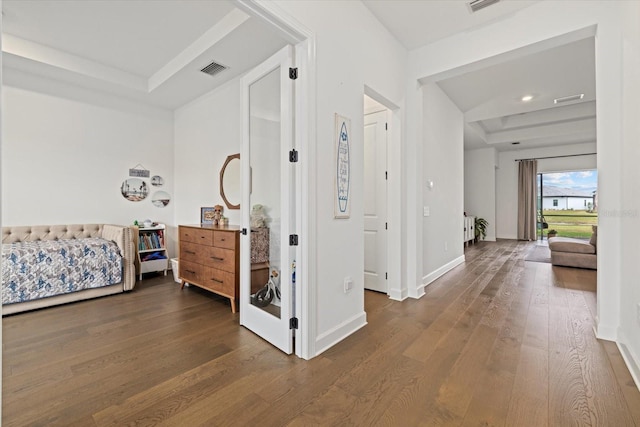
581,180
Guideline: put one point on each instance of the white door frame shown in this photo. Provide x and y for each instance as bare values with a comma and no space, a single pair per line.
305,142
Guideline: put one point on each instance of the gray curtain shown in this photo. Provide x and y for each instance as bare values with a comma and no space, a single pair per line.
527,194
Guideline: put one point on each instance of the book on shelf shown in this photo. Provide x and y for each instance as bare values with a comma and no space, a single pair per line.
149,241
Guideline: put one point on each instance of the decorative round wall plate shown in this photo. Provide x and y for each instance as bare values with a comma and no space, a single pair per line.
160,199
157,181
134,189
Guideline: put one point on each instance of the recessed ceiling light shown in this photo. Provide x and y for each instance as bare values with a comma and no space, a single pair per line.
527,98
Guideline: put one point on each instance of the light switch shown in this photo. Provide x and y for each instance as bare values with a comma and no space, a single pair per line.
426,211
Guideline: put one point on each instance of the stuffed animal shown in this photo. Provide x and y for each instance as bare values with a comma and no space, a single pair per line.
258,217
217,215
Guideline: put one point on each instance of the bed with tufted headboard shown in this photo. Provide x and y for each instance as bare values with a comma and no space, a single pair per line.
47,265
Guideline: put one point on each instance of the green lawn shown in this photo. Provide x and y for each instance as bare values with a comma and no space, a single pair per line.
571,223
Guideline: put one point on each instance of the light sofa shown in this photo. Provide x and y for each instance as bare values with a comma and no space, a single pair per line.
121,235
571,252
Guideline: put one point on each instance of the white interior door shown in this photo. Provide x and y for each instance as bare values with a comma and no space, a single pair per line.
267,180
375,202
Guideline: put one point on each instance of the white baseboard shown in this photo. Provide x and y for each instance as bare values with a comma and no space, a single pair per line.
426,280
630,359
398,294
603,332
330,338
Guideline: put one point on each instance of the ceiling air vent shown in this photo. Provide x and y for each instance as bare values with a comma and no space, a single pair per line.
213,69
568,98
476,5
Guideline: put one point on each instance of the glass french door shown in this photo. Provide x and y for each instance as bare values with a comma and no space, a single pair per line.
267,200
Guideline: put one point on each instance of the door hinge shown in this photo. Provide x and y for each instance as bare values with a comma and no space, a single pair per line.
386,126
386,276
293,240
243,231
386,226
293,73
293,156
293,323
386,175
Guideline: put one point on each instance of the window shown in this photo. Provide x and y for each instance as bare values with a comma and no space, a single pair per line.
568,189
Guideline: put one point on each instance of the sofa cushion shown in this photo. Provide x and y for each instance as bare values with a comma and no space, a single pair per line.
594,236
568,244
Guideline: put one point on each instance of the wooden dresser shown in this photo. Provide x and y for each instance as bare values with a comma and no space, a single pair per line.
210,259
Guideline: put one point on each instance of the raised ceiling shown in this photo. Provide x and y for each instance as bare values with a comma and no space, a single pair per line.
148,51
496,116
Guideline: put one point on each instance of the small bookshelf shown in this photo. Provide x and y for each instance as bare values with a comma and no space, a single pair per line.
151,250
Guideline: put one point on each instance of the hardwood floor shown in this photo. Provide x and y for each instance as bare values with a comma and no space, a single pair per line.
496,342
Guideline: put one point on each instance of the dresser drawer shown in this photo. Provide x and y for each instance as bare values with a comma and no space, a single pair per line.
221,282
223,259
196,235
191,252
191,272
224,239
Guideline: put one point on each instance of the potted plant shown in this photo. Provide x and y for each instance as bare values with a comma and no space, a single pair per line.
551,233
481,225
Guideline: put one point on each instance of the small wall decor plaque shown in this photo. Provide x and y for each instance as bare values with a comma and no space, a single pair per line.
139,171
341,202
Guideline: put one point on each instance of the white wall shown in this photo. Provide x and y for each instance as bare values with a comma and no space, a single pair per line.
442,164
352,50
207,130
64,160
480,186
507,178
629,330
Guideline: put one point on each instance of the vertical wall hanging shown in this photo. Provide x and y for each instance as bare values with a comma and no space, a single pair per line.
341,201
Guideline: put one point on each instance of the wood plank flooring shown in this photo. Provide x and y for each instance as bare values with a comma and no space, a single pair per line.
496,342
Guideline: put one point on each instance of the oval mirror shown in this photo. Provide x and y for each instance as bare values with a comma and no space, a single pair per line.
230,181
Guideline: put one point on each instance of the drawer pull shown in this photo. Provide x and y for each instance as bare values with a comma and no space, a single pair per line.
190,271
222,240
190,252
217,258
217,281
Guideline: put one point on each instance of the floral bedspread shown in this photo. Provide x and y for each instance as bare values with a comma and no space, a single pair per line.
33,270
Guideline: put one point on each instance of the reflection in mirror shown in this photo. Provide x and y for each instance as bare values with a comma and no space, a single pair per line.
230,181
265,197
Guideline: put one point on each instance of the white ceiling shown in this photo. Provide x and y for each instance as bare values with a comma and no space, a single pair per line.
416,23
151,51
490,98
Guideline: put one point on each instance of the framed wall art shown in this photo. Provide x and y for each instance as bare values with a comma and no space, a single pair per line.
206,215
342,134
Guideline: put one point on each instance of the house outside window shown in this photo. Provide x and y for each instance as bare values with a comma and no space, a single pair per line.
555,203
